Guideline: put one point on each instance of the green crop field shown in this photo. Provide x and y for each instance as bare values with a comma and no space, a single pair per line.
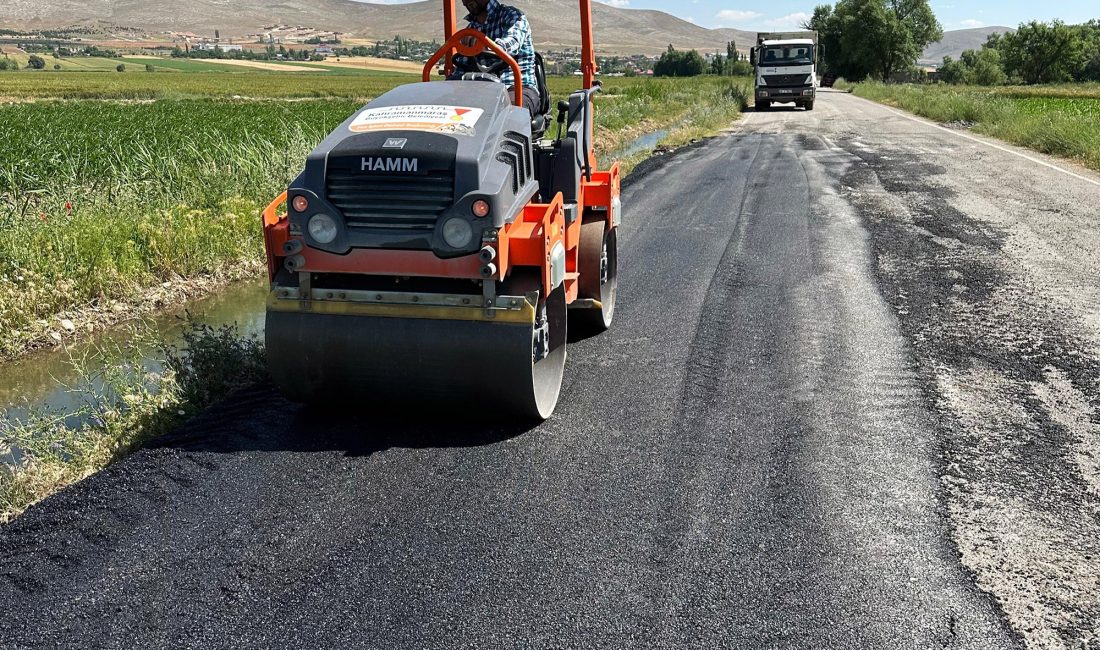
1076,107
67,64
100,199
102,196
1065,91
1060,119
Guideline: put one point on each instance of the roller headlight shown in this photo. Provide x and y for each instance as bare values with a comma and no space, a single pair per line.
322,228
457,232
480,208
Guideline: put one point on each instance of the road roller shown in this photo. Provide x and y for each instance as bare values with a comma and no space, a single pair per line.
438,245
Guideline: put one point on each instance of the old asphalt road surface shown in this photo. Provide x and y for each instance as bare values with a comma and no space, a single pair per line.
754,456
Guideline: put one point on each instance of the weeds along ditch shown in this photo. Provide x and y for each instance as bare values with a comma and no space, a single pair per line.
125,401
1061,120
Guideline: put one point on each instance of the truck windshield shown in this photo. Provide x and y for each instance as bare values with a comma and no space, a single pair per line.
786,55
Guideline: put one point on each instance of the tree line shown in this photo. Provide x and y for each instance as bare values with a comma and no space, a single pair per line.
1035,53
881,39
689,63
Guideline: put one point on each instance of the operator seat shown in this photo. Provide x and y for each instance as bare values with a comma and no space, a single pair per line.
540,118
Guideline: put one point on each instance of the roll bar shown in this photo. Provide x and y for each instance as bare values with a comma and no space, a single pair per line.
456,43
588,48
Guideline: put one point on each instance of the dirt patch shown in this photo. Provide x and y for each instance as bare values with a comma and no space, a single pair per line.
373,63
265,65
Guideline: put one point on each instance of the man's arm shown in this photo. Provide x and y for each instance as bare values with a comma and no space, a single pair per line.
518,33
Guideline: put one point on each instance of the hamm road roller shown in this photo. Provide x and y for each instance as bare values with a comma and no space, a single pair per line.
439,243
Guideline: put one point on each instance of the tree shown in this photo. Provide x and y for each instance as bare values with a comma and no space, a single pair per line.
862,38
731,51
828,37
951,71
739,68
675,63
57,66
1090,39
150,68
1042,53
36,62
982,67
121,67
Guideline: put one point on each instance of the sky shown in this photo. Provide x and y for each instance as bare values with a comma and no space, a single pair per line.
787,14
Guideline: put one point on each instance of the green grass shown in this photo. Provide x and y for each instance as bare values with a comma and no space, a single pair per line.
1061,120
101,199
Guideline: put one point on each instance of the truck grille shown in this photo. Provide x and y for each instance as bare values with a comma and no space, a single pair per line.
785,80
394,202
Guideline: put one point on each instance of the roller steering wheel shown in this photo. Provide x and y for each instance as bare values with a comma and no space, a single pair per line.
485,63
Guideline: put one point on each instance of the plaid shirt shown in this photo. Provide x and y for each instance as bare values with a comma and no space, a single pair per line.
508,27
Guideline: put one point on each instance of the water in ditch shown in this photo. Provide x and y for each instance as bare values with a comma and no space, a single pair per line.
642,143
48,380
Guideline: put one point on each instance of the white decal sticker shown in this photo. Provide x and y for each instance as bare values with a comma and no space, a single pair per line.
441,119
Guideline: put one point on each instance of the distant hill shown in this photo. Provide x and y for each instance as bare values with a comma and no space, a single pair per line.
956,41
555,22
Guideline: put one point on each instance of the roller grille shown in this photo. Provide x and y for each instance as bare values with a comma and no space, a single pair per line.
394,202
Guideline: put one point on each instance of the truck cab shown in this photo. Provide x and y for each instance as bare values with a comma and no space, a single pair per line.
785,67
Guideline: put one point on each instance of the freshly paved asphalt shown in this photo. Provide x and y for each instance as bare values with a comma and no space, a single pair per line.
745,460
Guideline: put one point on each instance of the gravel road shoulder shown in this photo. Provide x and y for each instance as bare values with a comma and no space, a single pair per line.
992,264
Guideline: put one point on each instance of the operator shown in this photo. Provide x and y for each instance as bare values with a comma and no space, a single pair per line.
508,28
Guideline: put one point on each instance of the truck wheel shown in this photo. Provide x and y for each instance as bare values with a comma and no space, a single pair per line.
599,279
763,106
809,105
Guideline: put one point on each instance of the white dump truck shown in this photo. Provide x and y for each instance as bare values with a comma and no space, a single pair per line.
786,68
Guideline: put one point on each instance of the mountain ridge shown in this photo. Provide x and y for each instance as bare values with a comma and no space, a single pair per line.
956,41
556,23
